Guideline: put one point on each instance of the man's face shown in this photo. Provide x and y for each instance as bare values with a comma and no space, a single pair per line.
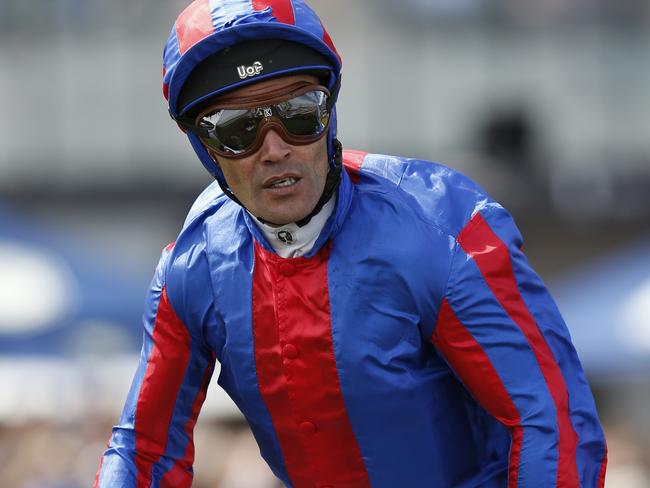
280,183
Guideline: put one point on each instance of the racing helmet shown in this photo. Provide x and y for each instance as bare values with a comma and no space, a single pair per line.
219,45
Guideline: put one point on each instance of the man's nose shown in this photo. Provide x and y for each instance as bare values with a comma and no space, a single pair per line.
274,148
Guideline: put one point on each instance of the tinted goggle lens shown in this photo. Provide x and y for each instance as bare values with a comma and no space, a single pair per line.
233,132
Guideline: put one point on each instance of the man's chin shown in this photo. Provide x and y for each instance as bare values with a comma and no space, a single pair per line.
279,221
284,214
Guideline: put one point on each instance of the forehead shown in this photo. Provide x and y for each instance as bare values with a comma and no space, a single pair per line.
270,86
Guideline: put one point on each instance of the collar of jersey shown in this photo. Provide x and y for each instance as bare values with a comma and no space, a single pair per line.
291,240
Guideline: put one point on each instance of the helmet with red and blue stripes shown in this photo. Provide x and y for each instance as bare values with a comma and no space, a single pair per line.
208,27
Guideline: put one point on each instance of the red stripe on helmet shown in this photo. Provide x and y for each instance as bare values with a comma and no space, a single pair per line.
282,9
480,377
297,374
162,381
194,24
491,256
328,40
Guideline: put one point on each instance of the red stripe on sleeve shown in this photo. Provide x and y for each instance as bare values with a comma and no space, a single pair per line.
282,9
162,381
353,160
194,24
474,368
297,374
180,476
165,86
603,469
99,472
493,260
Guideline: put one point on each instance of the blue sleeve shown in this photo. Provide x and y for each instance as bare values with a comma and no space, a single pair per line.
152,445
501,333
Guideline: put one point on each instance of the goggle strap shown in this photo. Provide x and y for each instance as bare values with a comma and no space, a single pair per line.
331,100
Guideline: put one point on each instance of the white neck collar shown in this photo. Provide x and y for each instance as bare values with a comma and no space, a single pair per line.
291,241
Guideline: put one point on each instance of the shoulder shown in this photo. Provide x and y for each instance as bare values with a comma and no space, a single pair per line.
209,201
213,222
432,192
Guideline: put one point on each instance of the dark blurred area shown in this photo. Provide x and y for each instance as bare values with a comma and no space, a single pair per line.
545,103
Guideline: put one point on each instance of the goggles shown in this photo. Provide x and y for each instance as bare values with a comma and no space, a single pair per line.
235,128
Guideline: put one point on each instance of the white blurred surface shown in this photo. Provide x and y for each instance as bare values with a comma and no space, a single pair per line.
61,390
36,288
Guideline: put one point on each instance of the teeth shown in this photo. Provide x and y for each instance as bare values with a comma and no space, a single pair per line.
283,182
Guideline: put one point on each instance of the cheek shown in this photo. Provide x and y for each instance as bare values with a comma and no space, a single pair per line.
232,172
322,165
231,176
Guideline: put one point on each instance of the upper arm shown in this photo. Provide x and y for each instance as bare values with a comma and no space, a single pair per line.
501,334
153,441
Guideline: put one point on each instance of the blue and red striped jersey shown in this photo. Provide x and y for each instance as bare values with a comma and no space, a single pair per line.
413,346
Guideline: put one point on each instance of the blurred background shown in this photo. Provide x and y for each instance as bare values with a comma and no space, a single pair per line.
546,103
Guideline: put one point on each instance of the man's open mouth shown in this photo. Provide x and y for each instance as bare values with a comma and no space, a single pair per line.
282,182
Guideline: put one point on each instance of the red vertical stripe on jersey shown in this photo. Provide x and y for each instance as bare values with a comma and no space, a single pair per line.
194,24
480,377
180,476
282,9
493,260
162,380
353,161
297,374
